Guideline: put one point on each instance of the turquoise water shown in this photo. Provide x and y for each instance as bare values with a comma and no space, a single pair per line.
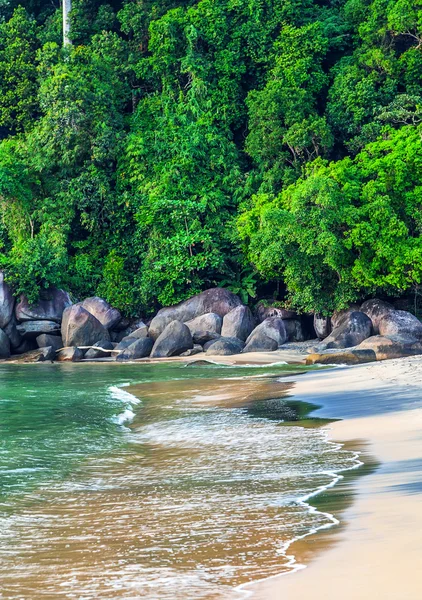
181,487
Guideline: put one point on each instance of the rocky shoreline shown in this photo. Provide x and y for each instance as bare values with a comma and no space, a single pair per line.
212,323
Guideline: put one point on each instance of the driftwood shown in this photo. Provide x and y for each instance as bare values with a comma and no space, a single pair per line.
91,347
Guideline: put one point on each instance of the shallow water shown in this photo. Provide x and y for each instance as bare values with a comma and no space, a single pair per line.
182,486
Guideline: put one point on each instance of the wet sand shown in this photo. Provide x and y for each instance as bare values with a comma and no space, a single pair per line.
376,552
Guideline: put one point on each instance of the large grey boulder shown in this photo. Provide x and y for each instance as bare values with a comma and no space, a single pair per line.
70,354
322,326
140,332
238,323
46,340
49,307
7,302
29,330
400,322
106,315
141,348
214,300
354,328
208,322
202,337
294,330
175,339
101,349
261,343
226,346
126,342
273,328
81,328
339,316
265,311
4,345
376,310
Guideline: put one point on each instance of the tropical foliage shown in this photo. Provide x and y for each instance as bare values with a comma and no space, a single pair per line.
181,144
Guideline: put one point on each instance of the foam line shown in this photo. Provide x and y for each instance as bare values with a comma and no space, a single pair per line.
292,564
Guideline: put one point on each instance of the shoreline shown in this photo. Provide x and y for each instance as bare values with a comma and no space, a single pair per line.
380,523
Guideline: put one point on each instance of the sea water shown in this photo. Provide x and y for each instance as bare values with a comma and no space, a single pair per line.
153,481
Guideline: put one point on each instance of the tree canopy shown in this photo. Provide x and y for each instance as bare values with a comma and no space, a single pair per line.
181,144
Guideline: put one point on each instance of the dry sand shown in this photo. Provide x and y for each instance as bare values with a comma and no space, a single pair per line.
377,552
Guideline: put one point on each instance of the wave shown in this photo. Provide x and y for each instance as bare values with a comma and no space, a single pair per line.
292,565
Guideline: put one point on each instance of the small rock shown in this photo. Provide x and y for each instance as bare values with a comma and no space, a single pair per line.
101,349
226,346
140,348
70,354
322,326
46,340
197,349
202,337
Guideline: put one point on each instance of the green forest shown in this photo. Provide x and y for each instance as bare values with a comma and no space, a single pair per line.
273,147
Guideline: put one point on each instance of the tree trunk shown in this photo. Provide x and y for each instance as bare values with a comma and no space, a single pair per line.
67,7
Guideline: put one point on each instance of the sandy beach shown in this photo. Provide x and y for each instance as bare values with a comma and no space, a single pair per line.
376,551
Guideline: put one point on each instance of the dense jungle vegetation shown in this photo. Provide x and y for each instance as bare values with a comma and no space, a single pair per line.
270,145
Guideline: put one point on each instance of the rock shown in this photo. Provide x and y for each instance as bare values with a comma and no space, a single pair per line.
351,356
273,328
354,328
394,346
7,302
226,346
70,354
32,329
108,317
46,340
208,322
25,346
126,342
261,343
214,300
13,334
175,339
99,350
322,326
238,323
38,355
197,349
140,348
81,328
400,322
210,343
4,345
339,316
140,332
202,337
49,307
376,310
265,311
294,330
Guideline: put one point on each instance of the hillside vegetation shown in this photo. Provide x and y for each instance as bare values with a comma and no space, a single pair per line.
270,145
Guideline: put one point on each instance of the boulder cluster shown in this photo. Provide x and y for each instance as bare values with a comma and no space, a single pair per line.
375,330
214,322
